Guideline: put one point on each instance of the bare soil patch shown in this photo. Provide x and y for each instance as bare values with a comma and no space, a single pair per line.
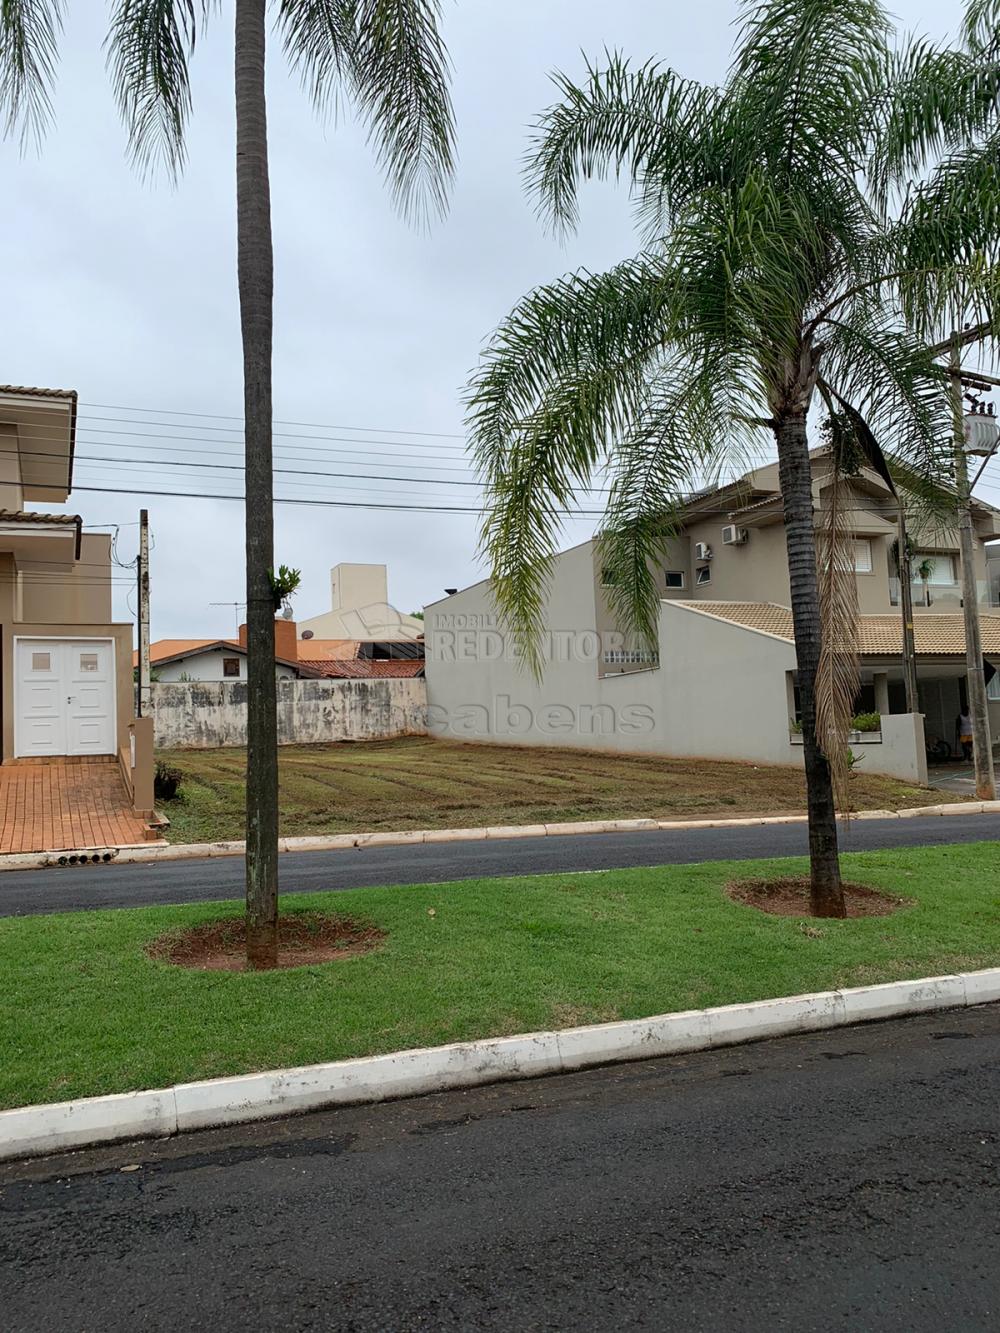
304,939
790,897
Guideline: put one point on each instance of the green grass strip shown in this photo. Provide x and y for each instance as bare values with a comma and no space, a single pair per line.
87,1012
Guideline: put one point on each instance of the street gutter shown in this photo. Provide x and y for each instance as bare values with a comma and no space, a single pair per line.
33,1131
163,851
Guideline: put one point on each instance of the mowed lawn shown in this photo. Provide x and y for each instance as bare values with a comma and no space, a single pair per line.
88,1012
416,782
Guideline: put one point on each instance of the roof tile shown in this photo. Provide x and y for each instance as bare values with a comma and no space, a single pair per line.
878,636
30,391
365,668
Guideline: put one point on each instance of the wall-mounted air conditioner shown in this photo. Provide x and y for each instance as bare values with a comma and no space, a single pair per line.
734,536
702,551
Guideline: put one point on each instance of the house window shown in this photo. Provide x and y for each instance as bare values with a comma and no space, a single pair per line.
704,574
230,666
608,577
673,578
939,569
41,662
88,661
862,555
993,688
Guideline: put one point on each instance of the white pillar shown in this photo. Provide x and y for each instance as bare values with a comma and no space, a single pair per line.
881,682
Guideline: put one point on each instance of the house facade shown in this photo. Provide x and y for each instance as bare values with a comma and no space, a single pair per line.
719,682
183,661
360,608
66,664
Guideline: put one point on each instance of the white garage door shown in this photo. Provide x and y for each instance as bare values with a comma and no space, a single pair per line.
64,696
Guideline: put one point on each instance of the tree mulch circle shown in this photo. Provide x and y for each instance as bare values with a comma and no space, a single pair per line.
789,896
304,939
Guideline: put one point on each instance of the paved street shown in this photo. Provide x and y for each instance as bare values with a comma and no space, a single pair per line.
842,1180
71,888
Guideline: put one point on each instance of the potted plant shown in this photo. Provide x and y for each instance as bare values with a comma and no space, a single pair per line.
284,585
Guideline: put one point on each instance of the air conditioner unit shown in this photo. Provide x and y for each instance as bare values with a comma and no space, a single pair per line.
734,536
702,551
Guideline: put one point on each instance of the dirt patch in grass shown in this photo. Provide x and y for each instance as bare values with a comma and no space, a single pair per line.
790,897
304,939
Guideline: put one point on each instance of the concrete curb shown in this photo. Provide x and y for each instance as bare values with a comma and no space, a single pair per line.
32,1131
334,842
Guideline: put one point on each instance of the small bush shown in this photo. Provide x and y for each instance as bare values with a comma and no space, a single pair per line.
794,727
166,781
867,722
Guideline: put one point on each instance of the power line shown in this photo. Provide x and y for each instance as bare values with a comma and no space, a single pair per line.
330,504
307,425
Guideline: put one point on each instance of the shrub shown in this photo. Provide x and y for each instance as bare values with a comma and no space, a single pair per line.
867,722
166,781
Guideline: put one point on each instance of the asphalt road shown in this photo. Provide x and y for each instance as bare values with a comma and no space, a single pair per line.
72,888
842,1180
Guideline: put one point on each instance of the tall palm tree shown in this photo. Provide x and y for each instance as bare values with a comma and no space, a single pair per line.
387,58
775,271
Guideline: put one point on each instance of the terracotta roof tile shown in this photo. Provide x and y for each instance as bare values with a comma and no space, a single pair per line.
29,391
878,636
365,668
27,516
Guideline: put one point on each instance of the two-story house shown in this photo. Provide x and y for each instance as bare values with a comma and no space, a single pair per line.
720,680
65,665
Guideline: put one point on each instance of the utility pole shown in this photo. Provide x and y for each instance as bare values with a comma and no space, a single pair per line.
906,606
143,703
978,708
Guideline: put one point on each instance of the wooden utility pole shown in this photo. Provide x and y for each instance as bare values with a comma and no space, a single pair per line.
906,606
143,700
978,708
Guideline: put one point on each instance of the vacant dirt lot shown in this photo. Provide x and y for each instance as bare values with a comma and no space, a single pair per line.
417,783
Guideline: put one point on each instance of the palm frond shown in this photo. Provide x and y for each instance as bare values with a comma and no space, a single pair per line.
981,26
149,46
936,100
563,380
946,246
388,57
29,32
807,72
644,123
889,377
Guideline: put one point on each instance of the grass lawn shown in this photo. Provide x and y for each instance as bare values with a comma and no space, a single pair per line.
416,782
88,1012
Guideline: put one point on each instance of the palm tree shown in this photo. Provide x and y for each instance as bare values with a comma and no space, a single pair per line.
387,58
775,271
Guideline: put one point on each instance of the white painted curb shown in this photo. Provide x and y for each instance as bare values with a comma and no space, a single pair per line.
33,1131
335,842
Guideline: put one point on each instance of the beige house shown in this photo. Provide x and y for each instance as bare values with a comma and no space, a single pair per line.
720,680
66,665
360,609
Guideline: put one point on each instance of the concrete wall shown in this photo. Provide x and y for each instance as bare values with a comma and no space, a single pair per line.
205,715
208,666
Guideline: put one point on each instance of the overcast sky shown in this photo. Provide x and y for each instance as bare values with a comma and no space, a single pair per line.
126,291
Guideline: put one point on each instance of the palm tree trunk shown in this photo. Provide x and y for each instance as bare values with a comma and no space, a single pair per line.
827,894
255,265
